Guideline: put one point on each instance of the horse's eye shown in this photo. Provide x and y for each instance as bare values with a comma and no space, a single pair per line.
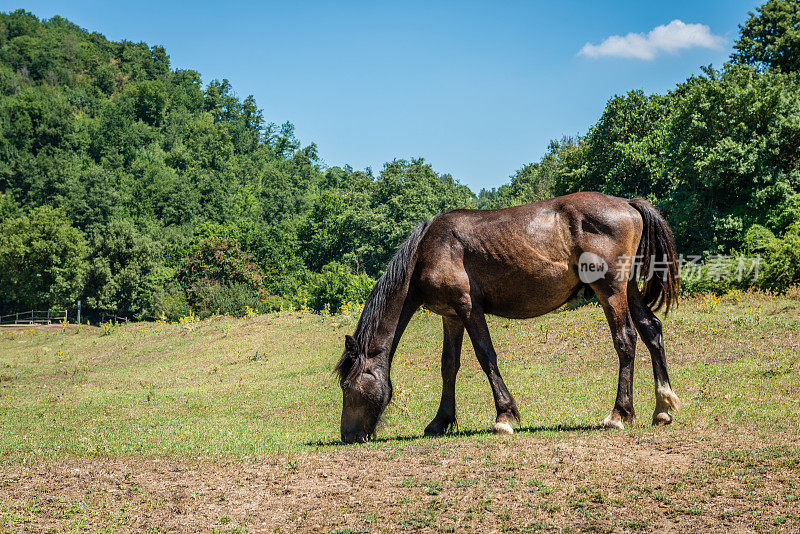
346,385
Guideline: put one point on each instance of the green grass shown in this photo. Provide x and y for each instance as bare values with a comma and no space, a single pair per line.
256,385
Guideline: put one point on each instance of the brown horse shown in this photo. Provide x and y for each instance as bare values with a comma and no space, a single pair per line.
518,262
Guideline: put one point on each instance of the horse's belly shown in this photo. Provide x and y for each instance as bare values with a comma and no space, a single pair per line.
527,308
523,296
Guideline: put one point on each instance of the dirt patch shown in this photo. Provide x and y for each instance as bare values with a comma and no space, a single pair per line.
681,479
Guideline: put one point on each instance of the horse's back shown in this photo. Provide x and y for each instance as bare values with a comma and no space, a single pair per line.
556,226
521,261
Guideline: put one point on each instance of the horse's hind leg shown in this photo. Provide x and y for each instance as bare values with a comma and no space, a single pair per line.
649,328
623,333
475,323
451,361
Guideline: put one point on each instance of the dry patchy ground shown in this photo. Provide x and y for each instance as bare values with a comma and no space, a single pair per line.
686,479
230,425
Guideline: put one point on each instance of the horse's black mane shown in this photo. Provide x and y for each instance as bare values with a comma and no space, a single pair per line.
387,285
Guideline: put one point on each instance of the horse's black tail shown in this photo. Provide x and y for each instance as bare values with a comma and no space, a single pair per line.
659,259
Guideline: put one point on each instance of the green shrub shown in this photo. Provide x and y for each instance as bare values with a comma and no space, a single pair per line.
170,303
335,285
719,274
228,299
218,265
770,263
274,303
780,267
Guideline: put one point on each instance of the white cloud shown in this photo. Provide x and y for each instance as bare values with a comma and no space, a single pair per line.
673,37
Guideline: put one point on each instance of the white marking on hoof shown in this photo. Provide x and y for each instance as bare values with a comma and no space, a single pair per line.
502,428
661,418
610,423
666,400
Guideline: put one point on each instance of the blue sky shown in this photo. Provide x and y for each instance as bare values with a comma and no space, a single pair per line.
476,88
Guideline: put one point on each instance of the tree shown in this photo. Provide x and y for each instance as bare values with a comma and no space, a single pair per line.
771,37
532,183
322,231
125,270
621,151
405,194
237,207
41,261
8,208
715,155
730,155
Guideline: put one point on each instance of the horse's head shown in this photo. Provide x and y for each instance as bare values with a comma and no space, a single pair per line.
366,391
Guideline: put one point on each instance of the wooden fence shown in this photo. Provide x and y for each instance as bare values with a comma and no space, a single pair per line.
112,318
34,317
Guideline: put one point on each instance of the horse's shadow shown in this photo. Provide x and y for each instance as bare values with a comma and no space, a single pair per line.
533,429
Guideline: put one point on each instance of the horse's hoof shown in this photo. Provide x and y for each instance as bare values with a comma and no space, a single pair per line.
438,428
501,427
613,422
662,418
433,431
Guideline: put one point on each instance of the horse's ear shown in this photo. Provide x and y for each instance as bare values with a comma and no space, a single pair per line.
350,344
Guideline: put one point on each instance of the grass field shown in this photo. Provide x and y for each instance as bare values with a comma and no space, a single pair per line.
232,424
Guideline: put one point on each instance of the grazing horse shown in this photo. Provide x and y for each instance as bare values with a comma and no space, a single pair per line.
518,263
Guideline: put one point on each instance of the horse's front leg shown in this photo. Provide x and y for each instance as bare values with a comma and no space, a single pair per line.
451,361
475,323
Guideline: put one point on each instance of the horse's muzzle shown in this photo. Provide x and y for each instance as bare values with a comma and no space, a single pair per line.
355,436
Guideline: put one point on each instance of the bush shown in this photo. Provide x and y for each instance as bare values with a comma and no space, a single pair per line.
274,303
335,285
220,262
770,263
228,299
719,274
781,262
170,303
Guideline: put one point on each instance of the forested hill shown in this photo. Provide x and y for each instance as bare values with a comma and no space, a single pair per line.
145,163
140,189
